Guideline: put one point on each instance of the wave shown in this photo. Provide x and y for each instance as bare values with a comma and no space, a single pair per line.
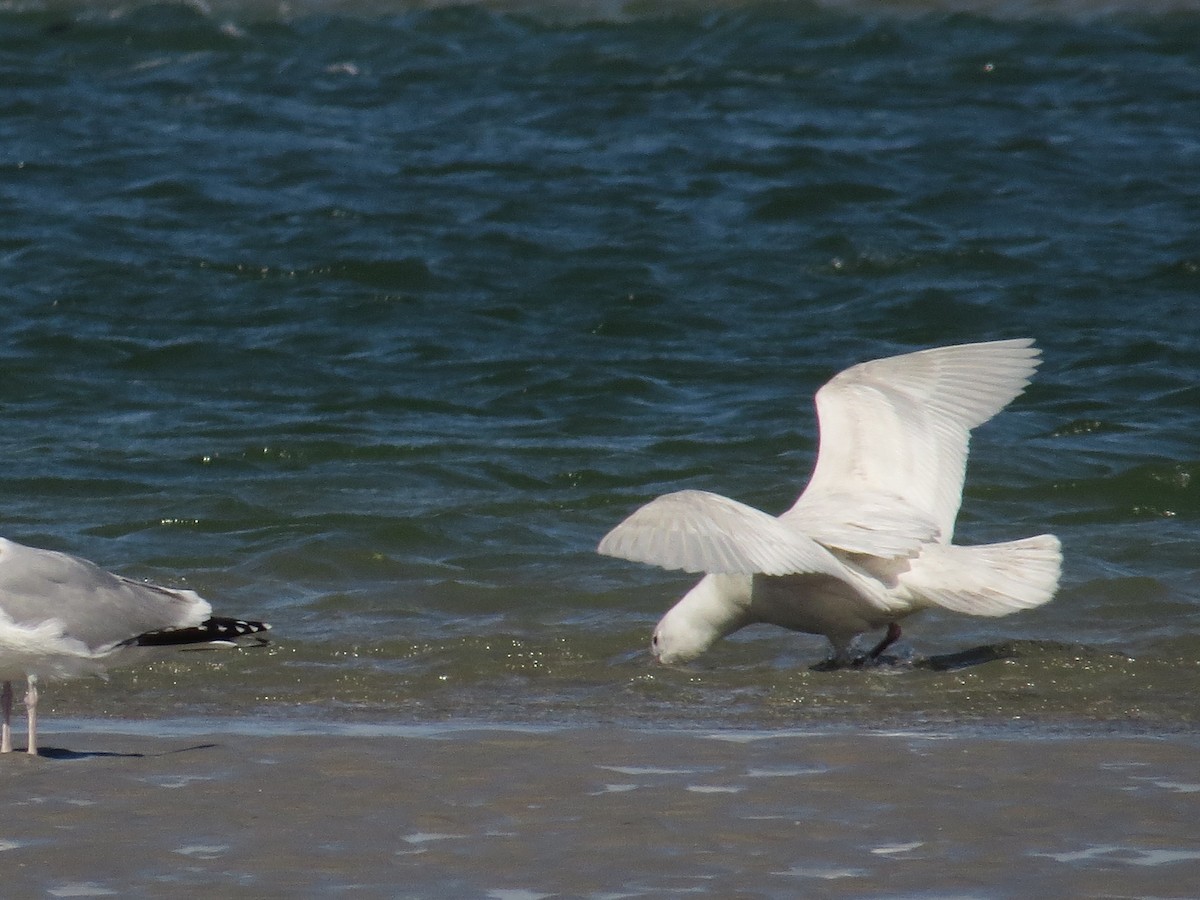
617,10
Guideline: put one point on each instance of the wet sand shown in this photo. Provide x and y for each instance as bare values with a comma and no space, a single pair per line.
600,812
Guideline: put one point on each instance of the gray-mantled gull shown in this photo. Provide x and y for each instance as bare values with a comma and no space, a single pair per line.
869,540
61,616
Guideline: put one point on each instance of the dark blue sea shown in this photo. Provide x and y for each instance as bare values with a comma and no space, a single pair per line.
371,318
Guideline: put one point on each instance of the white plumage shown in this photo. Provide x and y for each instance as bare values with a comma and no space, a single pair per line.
869,540
61,616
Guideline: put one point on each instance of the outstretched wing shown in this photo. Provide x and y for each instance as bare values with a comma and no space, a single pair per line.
894,439
702,532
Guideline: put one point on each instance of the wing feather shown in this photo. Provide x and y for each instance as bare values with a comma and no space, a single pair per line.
882,525
87,603
698,531
894,435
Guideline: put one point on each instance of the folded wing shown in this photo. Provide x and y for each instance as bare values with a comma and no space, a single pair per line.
88,604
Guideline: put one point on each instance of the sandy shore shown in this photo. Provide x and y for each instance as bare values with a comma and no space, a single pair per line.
600,812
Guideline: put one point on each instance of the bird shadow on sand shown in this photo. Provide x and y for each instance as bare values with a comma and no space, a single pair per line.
64,754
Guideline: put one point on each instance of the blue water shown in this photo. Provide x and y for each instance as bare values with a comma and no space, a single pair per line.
371,320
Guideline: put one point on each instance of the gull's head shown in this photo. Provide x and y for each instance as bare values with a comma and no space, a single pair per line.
676,640
712,609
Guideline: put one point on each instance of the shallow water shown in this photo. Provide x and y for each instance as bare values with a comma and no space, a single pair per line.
372,325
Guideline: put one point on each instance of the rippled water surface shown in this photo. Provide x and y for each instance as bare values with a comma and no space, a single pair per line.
371,320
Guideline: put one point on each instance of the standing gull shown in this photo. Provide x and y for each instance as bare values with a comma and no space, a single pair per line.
869,540
61,616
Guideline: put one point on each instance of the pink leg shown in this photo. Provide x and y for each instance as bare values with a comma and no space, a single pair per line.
893,635
6,727
31,695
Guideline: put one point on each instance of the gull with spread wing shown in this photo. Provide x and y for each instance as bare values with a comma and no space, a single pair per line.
61,616
869,540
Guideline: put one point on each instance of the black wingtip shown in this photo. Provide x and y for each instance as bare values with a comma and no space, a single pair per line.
215,632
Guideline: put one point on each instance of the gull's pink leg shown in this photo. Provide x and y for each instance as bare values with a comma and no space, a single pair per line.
893,635
31,695
6,727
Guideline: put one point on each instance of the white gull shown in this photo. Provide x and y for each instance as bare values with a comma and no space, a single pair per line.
869,540
61,616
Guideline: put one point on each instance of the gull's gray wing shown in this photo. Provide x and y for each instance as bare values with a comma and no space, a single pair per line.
91,605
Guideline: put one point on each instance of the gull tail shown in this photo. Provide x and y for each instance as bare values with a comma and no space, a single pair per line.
214,633
987,580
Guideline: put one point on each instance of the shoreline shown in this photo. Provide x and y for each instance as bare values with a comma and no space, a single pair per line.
373,724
